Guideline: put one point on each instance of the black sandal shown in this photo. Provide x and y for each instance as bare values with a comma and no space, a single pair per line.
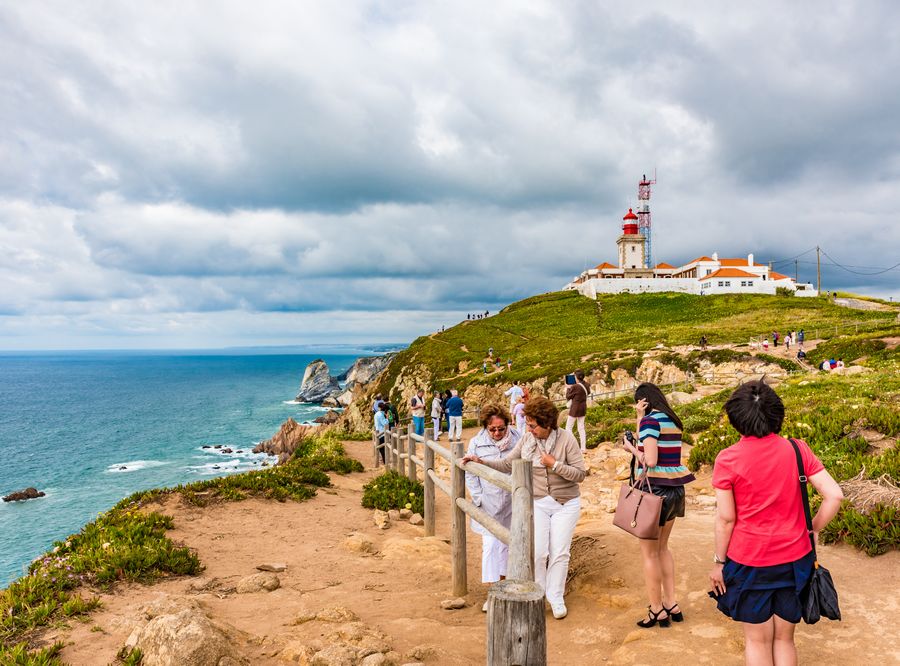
653,619
676,617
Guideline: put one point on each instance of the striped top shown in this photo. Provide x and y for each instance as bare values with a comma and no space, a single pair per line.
668,470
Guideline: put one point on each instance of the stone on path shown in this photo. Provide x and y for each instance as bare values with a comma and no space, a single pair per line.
394,515
453,604
258,583
276,567
381,519
416,519
405,514
359,543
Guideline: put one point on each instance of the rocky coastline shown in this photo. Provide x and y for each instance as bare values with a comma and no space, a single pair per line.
319,386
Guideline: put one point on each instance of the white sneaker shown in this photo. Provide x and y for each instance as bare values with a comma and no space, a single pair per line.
559,610
484,608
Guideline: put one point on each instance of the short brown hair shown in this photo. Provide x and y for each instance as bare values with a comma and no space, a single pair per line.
490,411
543,411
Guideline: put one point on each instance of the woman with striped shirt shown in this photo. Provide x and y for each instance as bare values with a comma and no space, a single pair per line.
659,452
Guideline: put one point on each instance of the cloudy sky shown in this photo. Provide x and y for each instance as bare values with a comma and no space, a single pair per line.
199,174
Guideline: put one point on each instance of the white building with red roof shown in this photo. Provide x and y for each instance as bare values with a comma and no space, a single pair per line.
703,275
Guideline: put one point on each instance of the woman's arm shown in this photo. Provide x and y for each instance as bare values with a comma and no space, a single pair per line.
473,481
726,515
573,468
832,496
500,464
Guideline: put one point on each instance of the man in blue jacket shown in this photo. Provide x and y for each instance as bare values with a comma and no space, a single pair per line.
455,412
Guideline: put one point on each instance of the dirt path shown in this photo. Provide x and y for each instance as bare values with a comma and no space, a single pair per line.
397,588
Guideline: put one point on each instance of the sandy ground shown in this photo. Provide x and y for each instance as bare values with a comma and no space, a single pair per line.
398,588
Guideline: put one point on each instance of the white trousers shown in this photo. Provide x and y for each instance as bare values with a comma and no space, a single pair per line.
494,555
580,420
437,427
455,428
554,524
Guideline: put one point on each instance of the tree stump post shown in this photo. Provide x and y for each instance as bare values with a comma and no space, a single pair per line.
521,533
516,626
411,451
458,524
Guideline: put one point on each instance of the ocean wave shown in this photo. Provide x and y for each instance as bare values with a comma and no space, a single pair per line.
134,466
222,467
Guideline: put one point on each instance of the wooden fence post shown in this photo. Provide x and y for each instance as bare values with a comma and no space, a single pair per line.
388,455
521,533
397,449
429,491
411,451
375,448
458,524
516,626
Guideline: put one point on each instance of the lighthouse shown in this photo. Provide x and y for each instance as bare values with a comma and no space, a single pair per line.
632,244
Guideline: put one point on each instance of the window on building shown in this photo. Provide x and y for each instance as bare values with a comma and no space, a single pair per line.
743,283
721,284
727,283
708,271
749,283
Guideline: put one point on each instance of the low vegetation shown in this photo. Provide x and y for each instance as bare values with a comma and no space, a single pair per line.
394,491
129,542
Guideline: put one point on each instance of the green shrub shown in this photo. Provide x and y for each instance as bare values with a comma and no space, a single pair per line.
785,363
326,454
19,655
394,491
785,291
875,532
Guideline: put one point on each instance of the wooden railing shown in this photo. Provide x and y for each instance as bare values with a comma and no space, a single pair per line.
516,626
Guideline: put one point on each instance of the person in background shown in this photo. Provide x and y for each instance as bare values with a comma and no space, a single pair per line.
763,553
509,364
444,399
577,394
765,344
377,404
801,355
381,427
840,364
393,417
484,367
788,340
514,392
518,413
494,441
417,407
659,453
801,336
557,468
455,412
775,338
702,343
437,410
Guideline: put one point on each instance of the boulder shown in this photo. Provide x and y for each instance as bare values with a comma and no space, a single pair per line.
285,441
345,399
335,655
258,583
328,417
405,514
318,383
359,543
453,604
416,519
28,493
394,515
679,398
187,638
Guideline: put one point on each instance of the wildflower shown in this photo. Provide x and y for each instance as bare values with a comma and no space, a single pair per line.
56,549
408,505
412,494
106,545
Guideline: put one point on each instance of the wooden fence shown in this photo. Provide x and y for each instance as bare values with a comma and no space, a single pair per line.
516,626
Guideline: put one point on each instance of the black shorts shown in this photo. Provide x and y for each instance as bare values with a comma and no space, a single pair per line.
673,502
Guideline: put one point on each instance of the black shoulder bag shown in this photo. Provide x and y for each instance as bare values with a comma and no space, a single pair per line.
819,598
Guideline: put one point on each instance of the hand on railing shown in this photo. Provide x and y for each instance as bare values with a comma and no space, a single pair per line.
470,458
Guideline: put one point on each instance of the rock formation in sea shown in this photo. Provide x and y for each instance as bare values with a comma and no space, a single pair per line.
28,493
285,441
365,369
318,384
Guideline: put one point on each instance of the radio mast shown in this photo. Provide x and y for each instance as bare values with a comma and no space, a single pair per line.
643,214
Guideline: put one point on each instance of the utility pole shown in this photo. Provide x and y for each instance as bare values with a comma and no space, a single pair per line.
796,271
818,271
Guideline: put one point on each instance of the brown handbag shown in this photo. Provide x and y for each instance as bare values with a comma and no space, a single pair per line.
638,509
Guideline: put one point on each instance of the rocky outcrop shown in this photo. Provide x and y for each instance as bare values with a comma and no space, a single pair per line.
328,417
365,369
318,384
19,495
186,638
285,441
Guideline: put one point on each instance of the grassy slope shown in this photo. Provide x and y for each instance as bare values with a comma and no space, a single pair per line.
548,335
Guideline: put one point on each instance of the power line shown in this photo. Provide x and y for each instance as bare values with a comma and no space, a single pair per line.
878,272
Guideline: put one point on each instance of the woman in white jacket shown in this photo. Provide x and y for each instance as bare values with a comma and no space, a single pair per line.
436,411
494,441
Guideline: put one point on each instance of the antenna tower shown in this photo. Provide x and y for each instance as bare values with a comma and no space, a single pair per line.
643,213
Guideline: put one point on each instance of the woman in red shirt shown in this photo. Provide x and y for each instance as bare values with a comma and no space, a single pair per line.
763,557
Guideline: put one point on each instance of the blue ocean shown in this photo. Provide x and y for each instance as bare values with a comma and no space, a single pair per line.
89,428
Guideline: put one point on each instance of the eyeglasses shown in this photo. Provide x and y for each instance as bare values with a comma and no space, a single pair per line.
497,429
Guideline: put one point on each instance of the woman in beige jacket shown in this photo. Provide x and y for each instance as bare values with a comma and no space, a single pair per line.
557,469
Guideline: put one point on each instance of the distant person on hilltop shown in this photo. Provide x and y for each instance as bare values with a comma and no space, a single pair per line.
509,364
577,396
702,343
801,336
455,412
764,555
484,367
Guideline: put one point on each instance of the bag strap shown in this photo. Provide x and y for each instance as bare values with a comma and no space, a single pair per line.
804,493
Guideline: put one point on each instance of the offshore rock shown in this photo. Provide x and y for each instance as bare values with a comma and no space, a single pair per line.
28,493
318,384
366,369
283,443
328,417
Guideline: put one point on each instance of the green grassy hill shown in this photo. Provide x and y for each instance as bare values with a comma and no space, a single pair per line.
549,335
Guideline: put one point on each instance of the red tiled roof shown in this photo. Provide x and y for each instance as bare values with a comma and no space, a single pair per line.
777,276
694,261
736,262
605,264
728,273
664,265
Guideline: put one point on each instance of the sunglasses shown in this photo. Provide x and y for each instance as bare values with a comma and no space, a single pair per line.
497,429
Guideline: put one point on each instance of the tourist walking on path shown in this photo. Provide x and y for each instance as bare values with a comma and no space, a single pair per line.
417,405
494,441
437,410
518,413
557,468
577,396
702,343
775,339
455,412
764,555
514,392
381,427
787,342
659,453
801,336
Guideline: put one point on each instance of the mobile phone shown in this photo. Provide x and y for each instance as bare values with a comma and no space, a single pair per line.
570,379
629,436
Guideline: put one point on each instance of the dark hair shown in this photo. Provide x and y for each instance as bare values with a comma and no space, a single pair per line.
656,401
490,411
579,374
384,406
755,409
543,411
